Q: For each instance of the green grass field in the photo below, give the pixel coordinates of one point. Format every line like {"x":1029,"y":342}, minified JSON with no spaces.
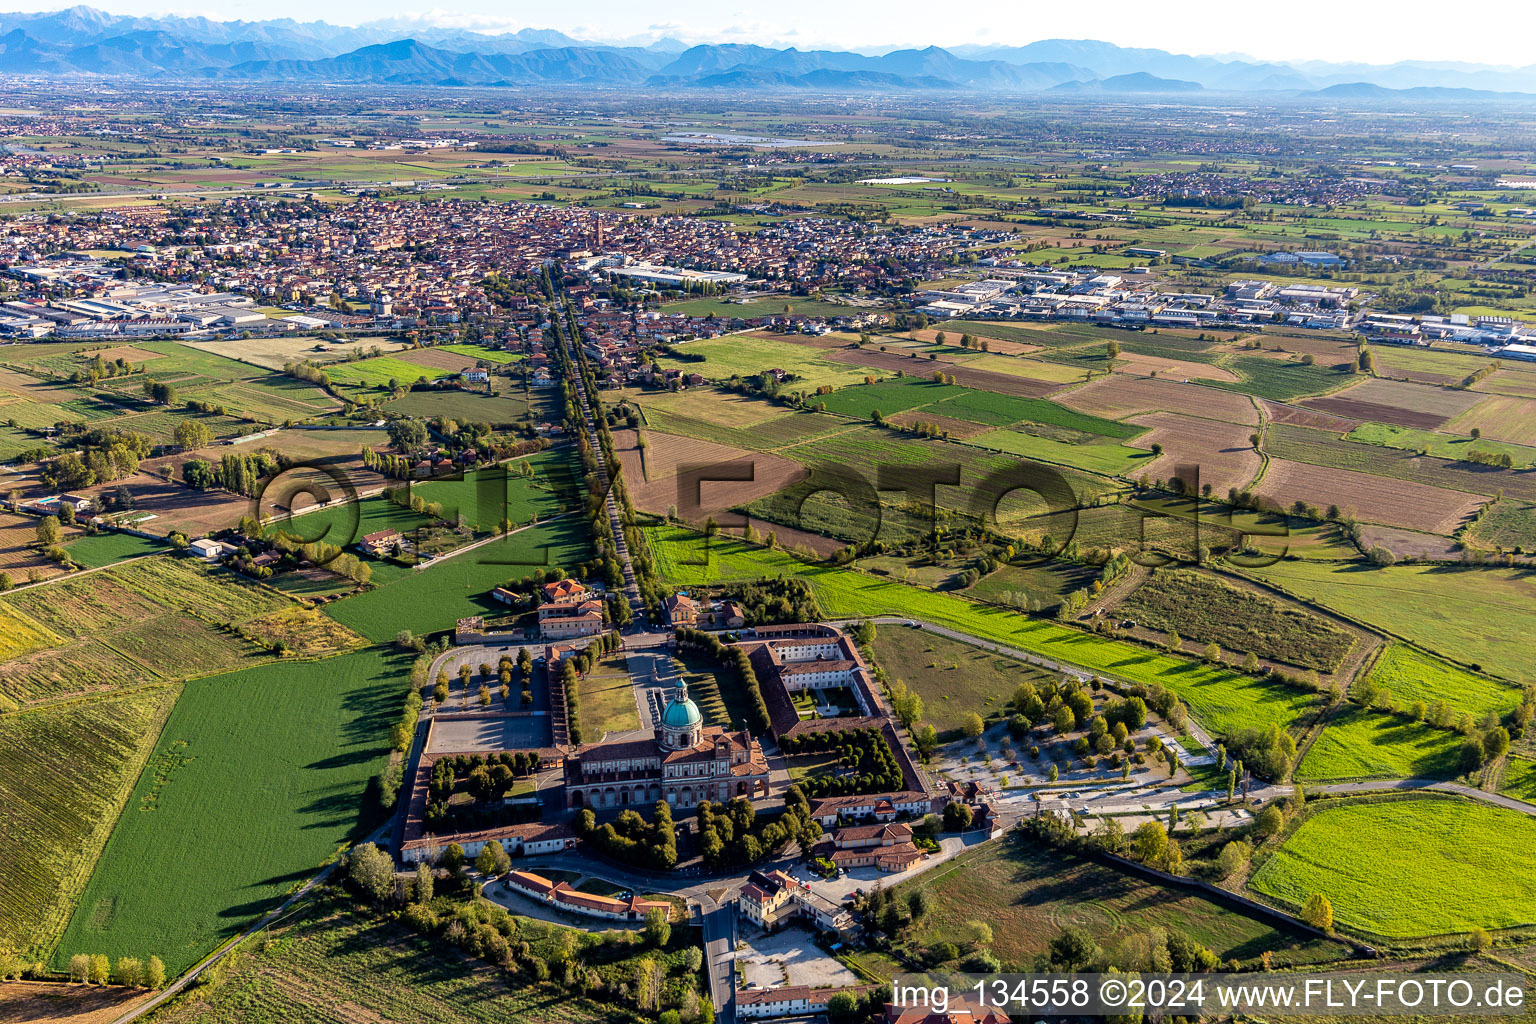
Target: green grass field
{"x":953,"y":678}
{"x":1441,"y":446}
{"x":1282,"y":380}
{"x":436,"y":597}
{"x":54,"y":833}
{"x":1028,"y":894}
{"x":1223,"y":700}
{"x":1361,"y":744}
{"x":889,"y":396}
{"x":258,"y":778}
{"x":1386,"y":867}
{"x":380,"y":370}
{"x":483,"y":498}
{"x":106,"y":548}
{"x":1108,"y":457}
{"x":746,"y":355}
{"x":1479,"y":616}
{"x":1412,"y":675}
{"x":607,"y":702}
{"x":1508,"y":523}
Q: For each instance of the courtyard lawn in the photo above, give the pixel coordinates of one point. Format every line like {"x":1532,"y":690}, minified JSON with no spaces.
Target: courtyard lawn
{"x":1477,"y":615}
{"x":607,"y":701}
{"x":438,"y":596}
{"x":1028,"y":894}
{"x":1410,"y":868}
{"x":258,"y":778}
{"x":1361,"y":744}
{"x":1223,"y":700}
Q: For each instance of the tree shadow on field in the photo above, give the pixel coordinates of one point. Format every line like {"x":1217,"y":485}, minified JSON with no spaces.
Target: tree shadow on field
{"x":335,"y":761}
{"x":338,"y":809}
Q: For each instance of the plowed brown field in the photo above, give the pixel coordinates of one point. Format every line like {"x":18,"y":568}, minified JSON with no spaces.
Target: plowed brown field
{"x":1369,"y":498}
{"x":1118,"y":397}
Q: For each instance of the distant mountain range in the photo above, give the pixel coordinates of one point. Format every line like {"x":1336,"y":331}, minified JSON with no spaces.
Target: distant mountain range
{"x":85,"y":41}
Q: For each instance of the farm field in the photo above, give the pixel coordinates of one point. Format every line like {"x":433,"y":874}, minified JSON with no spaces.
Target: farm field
{"x":1415,"y":845}
{"x":1412,"y":675}
{"x":1361,"y":744}
{"x":54,"y":832}
{"x":748,"y":354}
{"x":331,"y":956}
{"x":380,"y":370}
{"x":1028,"y":895}
{"x":1502,"y":417}
{"x":1106,"y":456}
{"x":283,"y":752}
{"x":272,"y":353}
{"x":1283,"y":380}
{"x":711,"y":405}
{"x":1117,"y":397}
{"x":1223,"y":700}
{"x":953,"y":678}
{"x":1206,"y":609}
{"x":1475,"y":615}
{"x":652,"y":476}
{"x":1509,"y":523}
{"x":1149,"y":364}
{"x":773,"y":434}
{"x":1222,"y":451}
{"x":145,"y":620}
{"x":1327,"y":449}
{"x":436,"y":597}
{"x":106,"y":548}
{"x":1519,"y":779}
{"x":483,"y":497}
{"x":66,"y":1004}
{"x":903,"y":359}
{"x":162,"y":508}
{"x":1376,"y":499}
{"x":1438,"y":444}
{"x":1390,"y":401}
{"x":18,"y":558}
{"x":505,"y":407}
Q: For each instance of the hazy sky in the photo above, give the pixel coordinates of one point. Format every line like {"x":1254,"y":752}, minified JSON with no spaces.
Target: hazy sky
{"x":1371,"y":31}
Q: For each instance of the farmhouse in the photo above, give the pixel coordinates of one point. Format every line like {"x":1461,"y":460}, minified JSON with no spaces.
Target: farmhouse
{"x":381,"y":543}
{"x":684,"y":764}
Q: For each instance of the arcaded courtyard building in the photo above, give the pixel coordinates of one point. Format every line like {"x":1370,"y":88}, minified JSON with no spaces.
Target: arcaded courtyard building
{"x":684,"y":763}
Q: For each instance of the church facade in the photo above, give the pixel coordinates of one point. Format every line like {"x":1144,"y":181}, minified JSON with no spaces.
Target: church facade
{"x":683,"y":763}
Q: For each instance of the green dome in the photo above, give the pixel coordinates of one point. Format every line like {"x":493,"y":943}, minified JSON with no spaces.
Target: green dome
{"x":681,"y":712}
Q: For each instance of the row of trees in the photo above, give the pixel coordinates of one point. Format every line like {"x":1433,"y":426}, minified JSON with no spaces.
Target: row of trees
{"x":738,"y":659}
{"x":128,"y":971}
